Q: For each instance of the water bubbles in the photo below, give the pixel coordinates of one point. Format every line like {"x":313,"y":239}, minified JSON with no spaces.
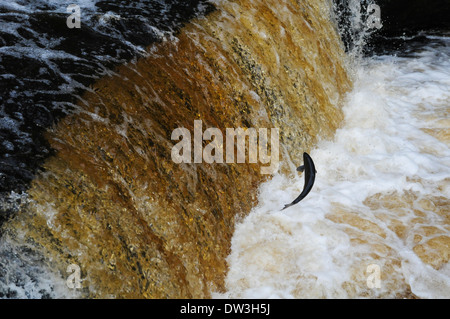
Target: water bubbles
{"x":379,"y":199}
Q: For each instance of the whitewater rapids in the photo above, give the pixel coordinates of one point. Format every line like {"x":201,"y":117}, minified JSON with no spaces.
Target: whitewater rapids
{"x":381,"y":194}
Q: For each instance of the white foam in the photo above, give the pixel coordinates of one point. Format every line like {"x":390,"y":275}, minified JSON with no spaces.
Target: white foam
{"x":301,"y":253}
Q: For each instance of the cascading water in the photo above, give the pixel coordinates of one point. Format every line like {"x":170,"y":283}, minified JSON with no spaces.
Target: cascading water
{"x":113,"y":204}
{"x":105,"y":199}
{"x":376,"y":224}
{"x":380,"y":201}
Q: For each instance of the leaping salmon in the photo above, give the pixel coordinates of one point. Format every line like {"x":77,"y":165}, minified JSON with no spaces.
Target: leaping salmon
{"x":310,"y":175}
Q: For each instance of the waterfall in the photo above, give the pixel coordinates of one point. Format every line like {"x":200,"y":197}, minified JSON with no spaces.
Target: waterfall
{"x":148,"y":147}
{"x":112,"y":202}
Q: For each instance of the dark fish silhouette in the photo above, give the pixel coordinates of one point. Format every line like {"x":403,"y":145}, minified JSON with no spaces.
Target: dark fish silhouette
{"x":310,"y":176}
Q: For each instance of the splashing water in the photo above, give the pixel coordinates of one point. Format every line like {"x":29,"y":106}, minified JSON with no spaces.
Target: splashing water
{"x":45,"y":65}
{"x":381,"y":197}
{"x":111,"y":200}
